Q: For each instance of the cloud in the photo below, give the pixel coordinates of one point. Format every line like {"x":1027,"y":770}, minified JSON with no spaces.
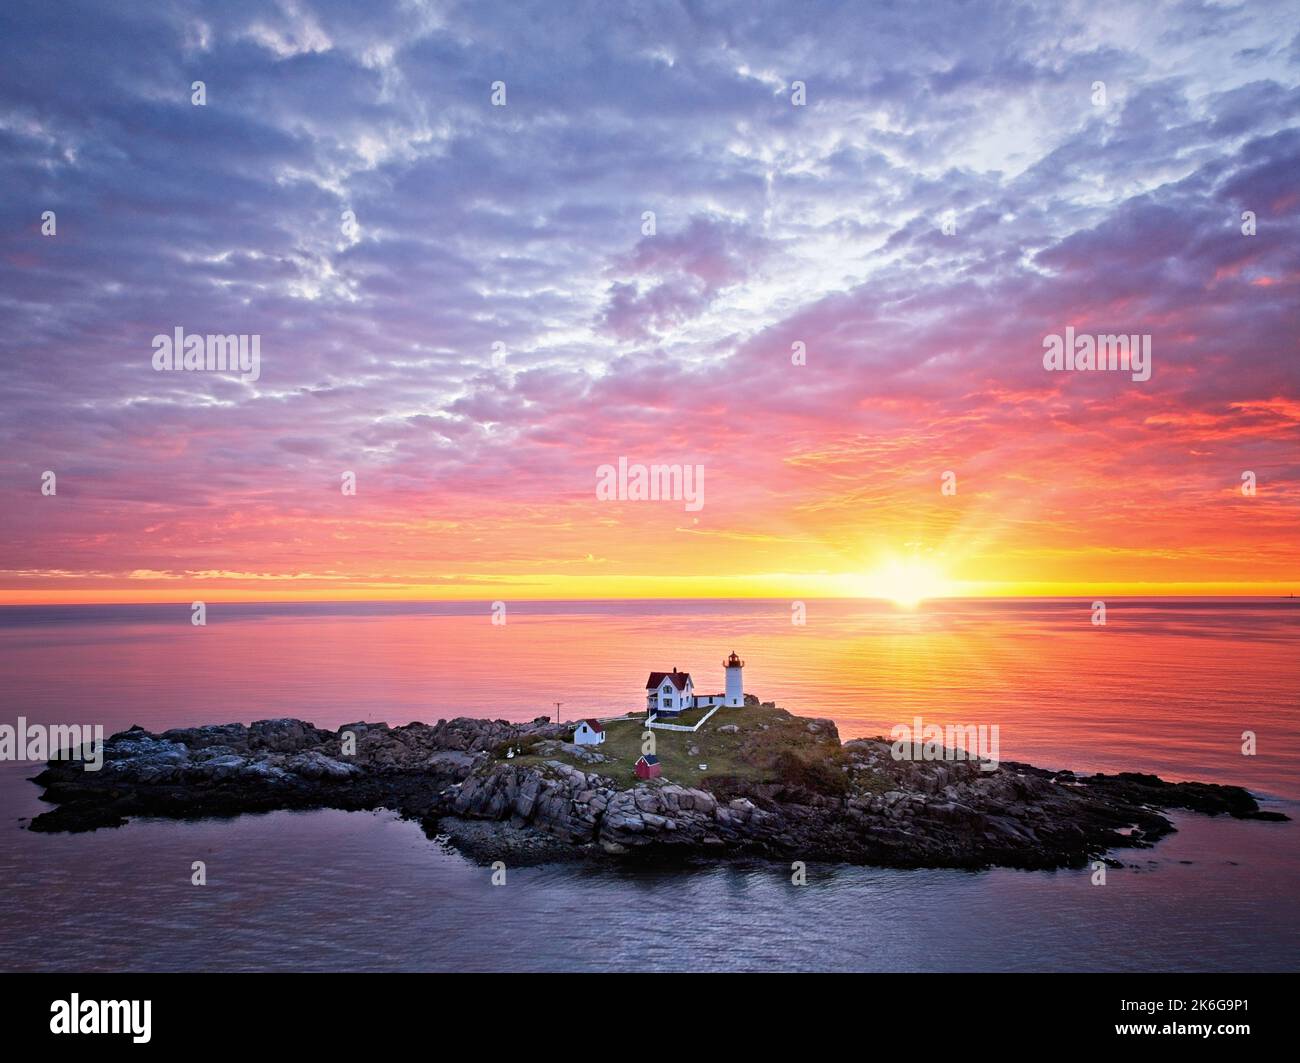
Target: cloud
{"x":498,"y":324}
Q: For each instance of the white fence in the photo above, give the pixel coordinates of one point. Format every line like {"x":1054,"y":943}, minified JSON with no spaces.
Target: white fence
{"x":682,"y":726}
{"x":650,"y":721}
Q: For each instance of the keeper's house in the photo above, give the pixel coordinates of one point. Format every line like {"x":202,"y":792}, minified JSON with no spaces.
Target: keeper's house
{"x":669,"y":693}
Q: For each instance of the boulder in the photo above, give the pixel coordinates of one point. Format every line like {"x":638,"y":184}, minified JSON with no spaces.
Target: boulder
{"x":318,"y":766}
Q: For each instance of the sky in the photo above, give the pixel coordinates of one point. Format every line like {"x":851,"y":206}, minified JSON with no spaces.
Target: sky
{"x":813,"y":250}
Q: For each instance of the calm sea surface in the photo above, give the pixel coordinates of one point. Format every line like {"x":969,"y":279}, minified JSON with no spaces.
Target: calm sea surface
{"x":1167,"y":686}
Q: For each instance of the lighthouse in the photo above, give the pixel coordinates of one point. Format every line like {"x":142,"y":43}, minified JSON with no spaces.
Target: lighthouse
{"x":735,"y":680}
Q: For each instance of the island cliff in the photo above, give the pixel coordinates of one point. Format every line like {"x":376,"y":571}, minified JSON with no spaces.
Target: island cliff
{"x":757,"y":782}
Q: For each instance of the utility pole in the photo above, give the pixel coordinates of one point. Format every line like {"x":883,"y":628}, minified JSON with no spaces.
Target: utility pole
{"x":557,"y":711}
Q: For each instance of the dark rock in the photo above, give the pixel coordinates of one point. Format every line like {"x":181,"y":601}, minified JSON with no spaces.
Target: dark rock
{"x":447,"y":775}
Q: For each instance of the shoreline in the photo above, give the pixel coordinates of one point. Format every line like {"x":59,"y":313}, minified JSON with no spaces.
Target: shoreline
{"x":778,"y":786}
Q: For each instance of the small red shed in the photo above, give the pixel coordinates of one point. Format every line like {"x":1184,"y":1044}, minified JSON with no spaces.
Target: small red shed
{"x":648,"y":767}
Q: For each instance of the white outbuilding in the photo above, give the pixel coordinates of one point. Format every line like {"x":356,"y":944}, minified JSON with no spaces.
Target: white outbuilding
{"x":588,"y":733}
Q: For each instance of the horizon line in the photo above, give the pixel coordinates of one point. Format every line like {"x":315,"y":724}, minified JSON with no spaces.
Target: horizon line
{"x":648,"y":598}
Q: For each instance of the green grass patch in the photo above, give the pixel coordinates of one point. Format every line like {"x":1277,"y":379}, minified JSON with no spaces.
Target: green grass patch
{"x":689,"y":718}
{"x":519,"y":745}
{"x":771,"y":746}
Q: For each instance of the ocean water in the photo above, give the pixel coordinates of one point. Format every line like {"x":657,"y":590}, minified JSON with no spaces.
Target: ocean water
{"x":1167,"y":686}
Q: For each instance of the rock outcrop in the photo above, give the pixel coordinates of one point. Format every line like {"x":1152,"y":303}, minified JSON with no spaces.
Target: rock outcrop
{"x":490,"y":783}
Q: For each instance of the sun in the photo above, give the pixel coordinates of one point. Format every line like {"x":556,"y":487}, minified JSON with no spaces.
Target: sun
{"x":905,"y":582}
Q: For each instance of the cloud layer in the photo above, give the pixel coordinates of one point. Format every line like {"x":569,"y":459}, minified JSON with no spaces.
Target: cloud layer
{"x":501,"y":321}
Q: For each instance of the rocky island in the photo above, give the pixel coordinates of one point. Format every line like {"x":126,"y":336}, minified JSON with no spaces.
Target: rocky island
{"x":755,"y":783}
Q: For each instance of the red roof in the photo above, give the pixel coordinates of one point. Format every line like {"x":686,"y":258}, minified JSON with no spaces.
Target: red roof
{"x":594,"y":725}
{"x":678,"y":679}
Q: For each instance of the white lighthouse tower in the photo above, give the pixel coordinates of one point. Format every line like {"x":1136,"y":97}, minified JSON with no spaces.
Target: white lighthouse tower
{"x":735,"y":681}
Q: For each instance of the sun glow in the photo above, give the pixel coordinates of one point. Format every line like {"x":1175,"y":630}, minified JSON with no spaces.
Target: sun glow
{"x":906,"y":582}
